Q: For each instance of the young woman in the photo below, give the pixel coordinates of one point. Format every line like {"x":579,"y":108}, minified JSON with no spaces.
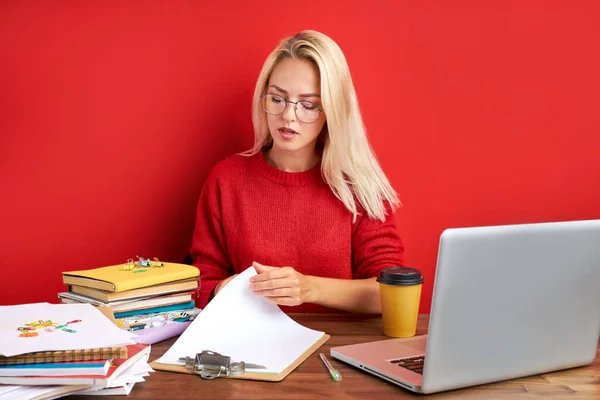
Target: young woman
{"x":308,"y":206}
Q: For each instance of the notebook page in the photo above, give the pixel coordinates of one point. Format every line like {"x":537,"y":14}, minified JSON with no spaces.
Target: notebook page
{"x":89,"y":328}
{"x":246,"y":327}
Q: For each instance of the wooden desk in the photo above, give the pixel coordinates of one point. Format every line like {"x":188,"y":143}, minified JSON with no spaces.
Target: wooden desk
{"x":311,"y":380}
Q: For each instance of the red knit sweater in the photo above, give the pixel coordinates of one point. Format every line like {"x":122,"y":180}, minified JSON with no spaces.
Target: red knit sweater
{"x":251,"y":211}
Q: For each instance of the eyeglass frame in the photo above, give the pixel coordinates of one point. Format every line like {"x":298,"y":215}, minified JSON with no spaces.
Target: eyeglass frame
{"x":295,"y":103}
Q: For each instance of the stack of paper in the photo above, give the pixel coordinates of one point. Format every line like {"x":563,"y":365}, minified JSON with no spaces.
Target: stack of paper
{"x":18,"y":392}
{"x":50,"y":332}
{"x":120,"y":385}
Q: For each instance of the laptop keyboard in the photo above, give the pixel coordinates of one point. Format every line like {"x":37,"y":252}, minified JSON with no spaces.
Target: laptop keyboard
{"x":415,"y":364}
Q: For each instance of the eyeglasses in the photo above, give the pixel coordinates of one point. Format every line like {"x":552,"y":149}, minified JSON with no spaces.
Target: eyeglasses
{"x":306,"y":111}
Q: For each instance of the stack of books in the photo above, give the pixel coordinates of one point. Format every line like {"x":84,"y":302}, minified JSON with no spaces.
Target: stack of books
{"x":52,"y":374}
{"x":53,"y":350}
{"x":155,"y":299}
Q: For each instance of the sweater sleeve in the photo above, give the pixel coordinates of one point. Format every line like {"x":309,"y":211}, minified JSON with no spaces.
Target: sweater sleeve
{"x":209,"y":249}
{"x":375,"y":245}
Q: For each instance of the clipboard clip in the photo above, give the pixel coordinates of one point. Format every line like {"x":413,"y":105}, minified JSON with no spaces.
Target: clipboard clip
{"x":210,"y":365}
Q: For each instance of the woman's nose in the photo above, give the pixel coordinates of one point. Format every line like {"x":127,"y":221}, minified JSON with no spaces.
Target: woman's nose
{"x":289,"y":114}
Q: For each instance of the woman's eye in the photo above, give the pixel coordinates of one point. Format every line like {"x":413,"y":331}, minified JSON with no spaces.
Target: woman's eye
{"x":308,"y":105}
{"x":277,"y":99}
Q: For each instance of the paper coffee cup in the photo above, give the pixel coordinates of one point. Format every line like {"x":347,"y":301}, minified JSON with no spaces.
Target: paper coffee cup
{"x":400,"y":292}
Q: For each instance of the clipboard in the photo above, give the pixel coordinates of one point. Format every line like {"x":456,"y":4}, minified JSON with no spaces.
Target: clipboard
{"x":257,"y":376}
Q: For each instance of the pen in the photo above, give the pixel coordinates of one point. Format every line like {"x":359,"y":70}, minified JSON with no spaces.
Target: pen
{"x":333,"y":372}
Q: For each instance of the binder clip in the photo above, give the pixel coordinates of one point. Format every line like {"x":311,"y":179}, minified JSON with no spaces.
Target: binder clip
{"x":142,"y":264}
{"x":211,"y":365}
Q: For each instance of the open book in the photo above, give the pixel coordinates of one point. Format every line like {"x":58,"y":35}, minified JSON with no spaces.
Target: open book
{"x":246,"y":327}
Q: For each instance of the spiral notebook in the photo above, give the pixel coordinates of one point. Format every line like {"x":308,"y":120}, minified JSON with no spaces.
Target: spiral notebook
{"x":103,"y":353}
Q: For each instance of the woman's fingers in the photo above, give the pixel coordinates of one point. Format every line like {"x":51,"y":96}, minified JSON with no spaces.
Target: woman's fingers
{"x":284,"y":301}
{"x":260,"y":268}
{"x":280,"y":285}
{"x":272,"y":284}
{"x":283,"y":292}
{"x":276,"y":273}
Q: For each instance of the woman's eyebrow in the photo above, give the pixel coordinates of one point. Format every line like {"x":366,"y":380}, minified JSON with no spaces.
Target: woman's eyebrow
{"x":300,"y":95}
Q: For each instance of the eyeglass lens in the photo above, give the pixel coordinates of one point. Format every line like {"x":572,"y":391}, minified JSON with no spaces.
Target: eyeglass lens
{"x":306,"y":111}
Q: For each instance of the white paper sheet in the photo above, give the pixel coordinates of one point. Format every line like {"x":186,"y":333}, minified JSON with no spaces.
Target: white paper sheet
{"x":135,"y":373}
{"x":21,"y":392}
{"x":94,"y":330}
{"x":123,"y":390}
{"x":5,"y":389}
{"x":245,"y":326}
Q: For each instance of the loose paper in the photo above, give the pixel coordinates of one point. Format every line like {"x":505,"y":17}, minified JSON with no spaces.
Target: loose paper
{"x":246,"y":327}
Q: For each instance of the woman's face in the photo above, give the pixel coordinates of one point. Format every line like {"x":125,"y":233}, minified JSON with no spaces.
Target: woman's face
{"x":295,"y":80}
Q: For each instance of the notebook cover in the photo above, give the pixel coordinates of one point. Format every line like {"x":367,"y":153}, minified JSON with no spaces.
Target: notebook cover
{"x":257,"y":376}
{"x":69,"y":368}
{"x":130,"y":305}
{"x":116,"y":279}
{"x":178,"y":306}
{"x":164,"y":288}
{"x":103,"y":353}
{"x":160,"y":333}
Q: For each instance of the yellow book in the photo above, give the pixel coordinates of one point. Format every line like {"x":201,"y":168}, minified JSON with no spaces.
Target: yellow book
{"x":122,"y":277}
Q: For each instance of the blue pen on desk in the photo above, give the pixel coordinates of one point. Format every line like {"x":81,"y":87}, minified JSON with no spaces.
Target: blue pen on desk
{"x":333,"y":372}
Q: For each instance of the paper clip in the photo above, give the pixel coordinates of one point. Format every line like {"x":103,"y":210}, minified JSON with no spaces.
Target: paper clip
{"x":157,"y":261}
{"x":128,"y":266}
{"x":143,"y":263}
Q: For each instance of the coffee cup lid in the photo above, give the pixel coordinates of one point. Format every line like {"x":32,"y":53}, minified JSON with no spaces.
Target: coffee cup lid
{"x":400,"y":276}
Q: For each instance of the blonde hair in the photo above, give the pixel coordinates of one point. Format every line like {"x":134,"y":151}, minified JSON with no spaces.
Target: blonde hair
{"x":348,"y":164}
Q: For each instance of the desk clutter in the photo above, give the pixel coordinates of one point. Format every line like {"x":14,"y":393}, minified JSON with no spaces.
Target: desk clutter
{"x":53,"y":350}
{"x":152,"y":298}
{"x":98,"y":340}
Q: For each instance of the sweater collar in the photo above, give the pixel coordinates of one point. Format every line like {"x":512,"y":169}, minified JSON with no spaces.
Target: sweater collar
{"x":283,"y":177}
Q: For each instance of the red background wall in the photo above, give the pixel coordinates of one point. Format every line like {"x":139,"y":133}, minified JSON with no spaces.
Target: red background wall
{"x":112,"y":113}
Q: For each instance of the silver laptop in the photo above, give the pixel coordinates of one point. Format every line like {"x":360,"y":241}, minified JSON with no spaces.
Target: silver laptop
{"x":508,"y":301}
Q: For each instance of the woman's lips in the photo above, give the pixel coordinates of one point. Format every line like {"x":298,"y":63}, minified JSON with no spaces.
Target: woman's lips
{"x":287,"y":133}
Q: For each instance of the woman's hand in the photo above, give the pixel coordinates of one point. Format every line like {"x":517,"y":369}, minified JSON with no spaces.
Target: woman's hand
{"x":281,"y":285}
